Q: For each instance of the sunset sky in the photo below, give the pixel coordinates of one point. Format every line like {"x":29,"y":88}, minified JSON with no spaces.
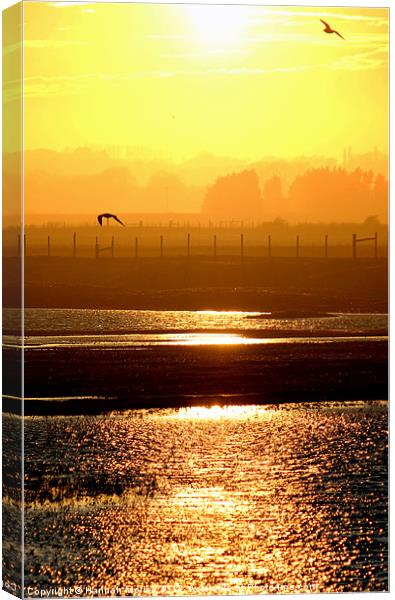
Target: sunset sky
{"x":231,"y":80}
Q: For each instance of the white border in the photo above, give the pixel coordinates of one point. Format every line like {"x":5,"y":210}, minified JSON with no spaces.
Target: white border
{"x":334,"y":3}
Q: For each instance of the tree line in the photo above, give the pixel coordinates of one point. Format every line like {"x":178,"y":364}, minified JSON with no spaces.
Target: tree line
{"x":320,"y":194}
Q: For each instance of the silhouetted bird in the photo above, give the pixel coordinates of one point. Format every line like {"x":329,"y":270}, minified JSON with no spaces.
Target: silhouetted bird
{"x":108,"y":216}
{"x":328,"y":29}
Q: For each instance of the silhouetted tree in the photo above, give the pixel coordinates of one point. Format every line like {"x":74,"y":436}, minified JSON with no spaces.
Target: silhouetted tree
{"x":235,"y":196}
{"x":336,"y":195}
{"x":372,"y":221}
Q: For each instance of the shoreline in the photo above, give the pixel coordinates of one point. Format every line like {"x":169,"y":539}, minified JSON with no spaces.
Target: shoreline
{"x":99,"y":406}
{"x":245,"y":333}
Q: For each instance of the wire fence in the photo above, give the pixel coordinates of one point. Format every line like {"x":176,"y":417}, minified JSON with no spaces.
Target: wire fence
{"x":189,"y":245}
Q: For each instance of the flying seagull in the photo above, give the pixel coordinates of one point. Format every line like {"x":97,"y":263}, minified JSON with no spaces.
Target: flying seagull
{"x":328,"y":29}
{"x":108,"y":216}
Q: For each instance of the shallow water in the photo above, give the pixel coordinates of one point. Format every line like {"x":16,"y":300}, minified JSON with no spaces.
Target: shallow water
{"x":209,"y":500}
{"x":141,"y":340}
{"x":48,"y":328}
{"x":46,"y":321}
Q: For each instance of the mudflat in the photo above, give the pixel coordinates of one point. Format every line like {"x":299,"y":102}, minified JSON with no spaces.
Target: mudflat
{"x":86,"y":380}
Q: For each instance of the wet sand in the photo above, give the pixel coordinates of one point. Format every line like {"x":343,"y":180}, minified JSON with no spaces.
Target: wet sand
{"x":98,"y":380}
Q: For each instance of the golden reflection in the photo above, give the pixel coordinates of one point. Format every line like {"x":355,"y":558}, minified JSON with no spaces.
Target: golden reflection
{"x":220,"y":339}
{"x":286,"y":501}
{"x":237,"y":313}
{"x":219,"y":412}
{"x":213,"y":500}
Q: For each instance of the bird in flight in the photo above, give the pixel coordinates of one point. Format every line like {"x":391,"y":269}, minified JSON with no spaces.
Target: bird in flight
{"x":108,"y":216}
{"x":328,"y":29}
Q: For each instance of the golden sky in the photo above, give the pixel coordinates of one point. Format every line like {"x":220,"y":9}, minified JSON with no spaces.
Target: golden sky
{"x":232,"y":80}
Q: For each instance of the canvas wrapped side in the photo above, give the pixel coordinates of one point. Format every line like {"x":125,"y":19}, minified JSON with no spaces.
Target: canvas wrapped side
{"x":12,"y":421}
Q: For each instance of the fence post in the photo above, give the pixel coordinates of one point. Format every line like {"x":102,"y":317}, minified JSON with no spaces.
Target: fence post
{"x":136,"y":247}
{"x":161,"y":246}
{"x":74,"y":244}
{"x":49,"y":246}
{"x":215,"y":247}
{"x":242,"y":246}
{"x":297,"y":246}
{"x":189,"y":245}
{"x":112,"y":247}
{"x":375,"y":246}
{"x":97,"y":248}
{"x":269,"y":246}
{"x":326,"y":246}
{"x":354,"y":245}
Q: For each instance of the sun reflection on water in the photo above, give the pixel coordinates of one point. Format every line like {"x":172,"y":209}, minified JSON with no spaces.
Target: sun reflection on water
{"x":216,"y":411}
{"x":210,"y":500}
{"x":225,"y":339}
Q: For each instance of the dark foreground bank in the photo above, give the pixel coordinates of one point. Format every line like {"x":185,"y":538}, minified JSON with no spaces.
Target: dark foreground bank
{"x":335,"y":284}
{"x":86,"y":380}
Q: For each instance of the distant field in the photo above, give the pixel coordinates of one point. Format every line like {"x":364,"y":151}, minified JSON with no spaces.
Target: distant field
{"x":335,"y":284}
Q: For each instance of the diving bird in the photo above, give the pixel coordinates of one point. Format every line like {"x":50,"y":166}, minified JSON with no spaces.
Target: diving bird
{"x":108,"y":216}
{"x":328,"y":29}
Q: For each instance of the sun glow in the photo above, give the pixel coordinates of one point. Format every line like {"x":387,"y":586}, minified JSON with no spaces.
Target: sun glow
{"x":217,"y":411}
{"x":217,"y":27}
{"x":217,"y":339}
{"x":233,"y":81}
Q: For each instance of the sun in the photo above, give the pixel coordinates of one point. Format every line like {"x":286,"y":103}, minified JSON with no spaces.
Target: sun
{"x":217,"y":27}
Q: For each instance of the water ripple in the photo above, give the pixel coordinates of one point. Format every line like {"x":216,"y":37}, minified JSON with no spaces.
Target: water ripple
{"x":214,"y":498}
